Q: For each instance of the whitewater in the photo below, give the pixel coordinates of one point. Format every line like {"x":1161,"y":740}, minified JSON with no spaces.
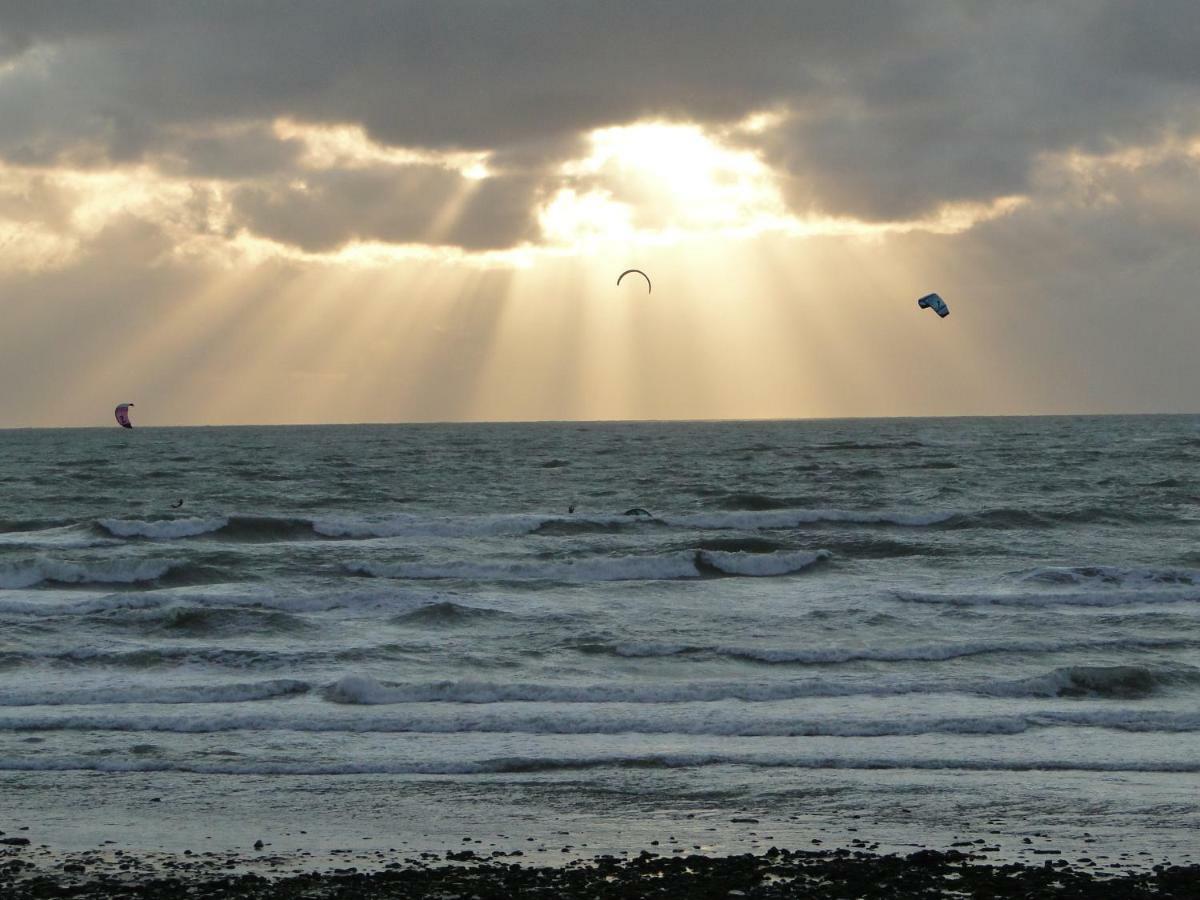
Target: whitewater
{"x":373,"y":635}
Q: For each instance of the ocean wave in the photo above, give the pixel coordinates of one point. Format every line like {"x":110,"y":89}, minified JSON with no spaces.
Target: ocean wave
{"x":160,"y":657}
{"x":60,"y":537}
{"x":1100,"y":682}
{"x":735,"y":510}
{"x":446,"y":612}
{"x":1016,"y":517}
{"x":366,"y":691}
{"x":839,"y":655}
{"x":536,"y":764}
{"x":204,"y":693}
{"x":873,"y":545}
{"x":223,"y":657}
{"x":795,"y":518}
{"x":666,"y":567}
{"x":1053,"y":598}
{"x":870,"y":445}
{"x":234,"y":528}
{"x":740,"y":544}
{"x":161,"y":529}
{"x":411,"y":525}
{"x":1109,"y":576}
{"x":1104,"y":682}
{"x":755,"y":502}
{"x":758,"y":565}
{"x":207,"y":621}
{"x":115,"y":571}
{"x":285,"y":599}
{"x":724,"y":721}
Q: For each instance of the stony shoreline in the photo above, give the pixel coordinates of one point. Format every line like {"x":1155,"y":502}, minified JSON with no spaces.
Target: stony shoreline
{"x":777,"y":873}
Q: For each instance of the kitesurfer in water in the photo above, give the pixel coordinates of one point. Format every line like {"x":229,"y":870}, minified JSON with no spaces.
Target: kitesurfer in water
{"x":178,"y":503}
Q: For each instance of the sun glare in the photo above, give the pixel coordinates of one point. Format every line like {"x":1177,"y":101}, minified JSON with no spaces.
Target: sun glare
{"x":660,"y":179}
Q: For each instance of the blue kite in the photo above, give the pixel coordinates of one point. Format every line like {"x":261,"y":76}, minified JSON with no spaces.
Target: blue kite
{"x":936,"y":303}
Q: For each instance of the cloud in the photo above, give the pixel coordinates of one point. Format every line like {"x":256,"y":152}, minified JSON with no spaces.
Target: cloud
{"x":894,"y":109}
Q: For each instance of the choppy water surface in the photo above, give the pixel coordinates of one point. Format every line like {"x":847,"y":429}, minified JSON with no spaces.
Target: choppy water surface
{"x":942,"y":626}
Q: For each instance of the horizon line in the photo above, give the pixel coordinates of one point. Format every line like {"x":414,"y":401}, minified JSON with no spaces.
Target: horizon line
{"x":681,"y":421}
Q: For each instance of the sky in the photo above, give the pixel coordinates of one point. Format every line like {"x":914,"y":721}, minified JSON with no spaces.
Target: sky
{"x":309,"y":212}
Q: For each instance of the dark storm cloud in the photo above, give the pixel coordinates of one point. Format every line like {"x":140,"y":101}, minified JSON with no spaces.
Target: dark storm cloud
{"x":246,"y":153}
{"x":896,"y":108}
{"x":967,"y":112}
{"x":439,"y":74}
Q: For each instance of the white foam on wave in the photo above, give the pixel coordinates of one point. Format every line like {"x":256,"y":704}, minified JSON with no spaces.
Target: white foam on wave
{"x":45,"y":603}
{"x":163,"y":529}
{"x":761,"y":564}
{"x":114,"y":571}
{"x":65,"y":537}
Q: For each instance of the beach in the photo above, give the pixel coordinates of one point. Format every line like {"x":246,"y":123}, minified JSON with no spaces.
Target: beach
{"x":777,"y":872}
{"x":759,"y":646}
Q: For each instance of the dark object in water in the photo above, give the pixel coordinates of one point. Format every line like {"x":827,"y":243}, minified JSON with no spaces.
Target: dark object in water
{"x":178,"y":503}
{"x":571,"y":508}
{"x":636,"y":511}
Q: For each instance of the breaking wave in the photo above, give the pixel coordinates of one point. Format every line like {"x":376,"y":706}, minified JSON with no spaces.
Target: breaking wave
{"x":162,"y":529}
{"x":117,"y":571}
{"x":235,"y":528}
{"x":62,"y":537}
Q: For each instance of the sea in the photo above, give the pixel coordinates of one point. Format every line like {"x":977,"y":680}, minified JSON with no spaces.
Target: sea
{"x":979,"y":632}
